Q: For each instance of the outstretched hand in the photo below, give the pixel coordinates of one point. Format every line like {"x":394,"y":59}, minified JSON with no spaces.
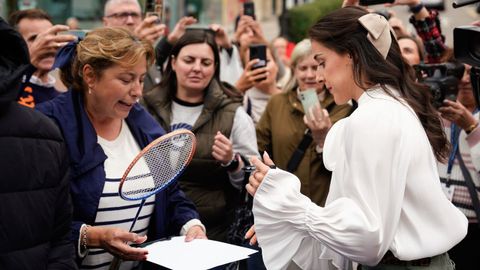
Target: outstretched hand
{"x":251,"y":235}
{"x":149,"y":29}
{"x":47,"y":43}
{"x":116,"y":241}
{"x":251,"y":76}
{"x":455,"y":112}
{"x":180,"y":28}
{"x":318,"y":121}
{"x":261,"y":170}
{"x":195,"y":232}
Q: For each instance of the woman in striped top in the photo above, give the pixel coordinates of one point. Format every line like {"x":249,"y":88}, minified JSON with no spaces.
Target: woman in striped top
{"x":105,"y":128}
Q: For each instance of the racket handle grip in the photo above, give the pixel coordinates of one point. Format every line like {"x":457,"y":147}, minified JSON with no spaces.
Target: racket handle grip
{"x":115,"y":265}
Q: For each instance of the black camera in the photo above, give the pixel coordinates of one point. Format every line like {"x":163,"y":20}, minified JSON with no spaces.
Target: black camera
{"x":466,"y":44}
{"x":441,"y":79}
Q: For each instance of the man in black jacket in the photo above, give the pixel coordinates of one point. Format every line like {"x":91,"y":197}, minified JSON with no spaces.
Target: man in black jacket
{"x":35,"y":207}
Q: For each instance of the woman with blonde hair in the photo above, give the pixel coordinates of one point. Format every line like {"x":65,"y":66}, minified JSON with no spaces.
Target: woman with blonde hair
{"x":104,"y":129}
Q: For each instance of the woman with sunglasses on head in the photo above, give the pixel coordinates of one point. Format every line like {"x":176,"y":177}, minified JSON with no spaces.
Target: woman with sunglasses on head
{"x":104,"y":129}
{"x":385,"y":208}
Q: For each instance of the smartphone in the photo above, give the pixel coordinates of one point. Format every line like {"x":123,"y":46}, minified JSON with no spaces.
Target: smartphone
{"x":374,"y":2}
{"x":258,"y":51}
{"x":154,"y":7}
{"x":309,"y":99}
{"x":249,"y":9}
{"x":78,"y":33}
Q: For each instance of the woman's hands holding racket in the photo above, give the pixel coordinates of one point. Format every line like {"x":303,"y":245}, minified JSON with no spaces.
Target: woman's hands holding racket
{"x":222,"y":149}
{"x":261,"y":170}
{"x":116,"y":241}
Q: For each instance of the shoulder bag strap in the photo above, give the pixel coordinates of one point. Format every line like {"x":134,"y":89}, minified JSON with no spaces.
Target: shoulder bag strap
{"x":299,"y":152}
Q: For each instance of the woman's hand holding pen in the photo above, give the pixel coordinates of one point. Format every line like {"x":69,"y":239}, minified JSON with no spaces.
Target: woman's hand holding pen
{"x":256,"y":178}
{"x":259,"y":173}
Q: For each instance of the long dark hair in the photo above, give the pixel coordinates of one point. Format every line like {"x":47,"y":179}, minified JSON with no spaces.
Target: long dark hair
{"x":341,"y":32}
{"x":169,"y":78}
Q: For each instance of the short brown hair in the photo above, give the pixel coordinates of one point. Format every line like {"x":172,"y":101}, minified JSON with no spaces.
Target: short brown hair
{"x":103,"y":48}
{"x":34,"y":13}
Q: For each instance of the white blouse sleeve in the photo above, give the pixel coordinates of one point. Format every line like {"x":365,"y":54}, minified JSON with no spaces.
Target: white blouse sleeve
{"x":360,"y":218}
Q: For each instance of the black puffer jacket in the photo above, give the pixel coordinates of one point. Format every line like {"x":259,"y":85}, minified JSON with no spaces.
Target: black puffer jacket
{"x":35,"y":207}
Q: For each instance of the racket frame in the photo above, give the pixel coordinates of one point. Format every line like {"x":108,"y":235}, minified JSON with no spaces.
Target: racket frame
{"x":145,"y":150}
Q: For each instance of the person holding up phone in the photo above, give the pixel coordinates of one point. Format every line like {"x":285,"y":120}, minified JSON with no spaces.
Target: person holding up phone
{"x":128,"y":14}
{"x":43,"y":40}
{"x":259,"y":79}
{"x":249,"y":9}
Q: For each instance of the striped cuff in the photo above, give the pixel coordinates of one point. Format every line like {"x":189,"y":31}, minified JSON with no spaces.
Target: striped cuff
{"x":190,"y":224}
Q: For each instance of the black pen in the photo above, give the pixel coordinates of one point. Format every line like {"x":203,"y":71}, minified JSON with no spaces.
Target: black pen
{"x":253,"y":168}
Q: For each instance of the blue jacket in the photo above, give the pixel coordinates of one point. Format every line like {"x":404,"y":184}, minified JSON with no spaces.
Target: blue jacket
{"x":172,"y":208}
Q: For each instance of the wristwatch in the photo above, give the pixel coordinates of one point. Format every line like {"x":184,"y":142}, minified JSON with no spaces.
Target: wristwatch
{"x":233,"y":164}
{"x":471,"y":128}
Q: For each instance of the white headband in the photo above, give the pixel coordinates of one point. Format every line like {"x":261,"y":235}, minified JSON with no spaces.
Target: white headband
{"x":378,"y":32}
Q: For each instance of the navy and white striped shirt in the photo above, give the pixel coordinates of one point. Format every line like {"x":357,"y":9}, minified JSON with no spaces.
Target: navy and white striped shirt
{"x":112,"y":209}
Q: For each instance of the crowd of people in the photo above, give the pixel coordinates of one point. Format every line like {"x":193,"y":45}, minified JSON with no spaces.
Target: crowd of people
{"x":372,"y":176}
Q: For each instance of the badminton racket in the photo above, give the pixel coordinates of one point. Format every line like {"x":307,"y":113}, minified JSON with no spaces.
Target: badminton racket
{"x":154,"y":168}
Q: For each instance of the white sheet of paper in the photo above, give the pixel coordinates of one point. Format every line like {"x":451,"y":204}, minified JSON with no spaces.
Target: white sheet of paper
{"x":198,"y":254}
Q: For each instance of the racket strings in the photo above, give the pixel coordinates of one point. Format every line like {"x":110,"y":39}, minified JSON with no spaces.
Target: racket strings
{"x":158,"y":166}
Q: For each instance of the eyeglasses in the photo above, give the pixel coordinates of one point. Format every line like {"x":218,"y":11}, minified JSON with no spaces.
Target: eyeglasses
{"x":124,"y":16}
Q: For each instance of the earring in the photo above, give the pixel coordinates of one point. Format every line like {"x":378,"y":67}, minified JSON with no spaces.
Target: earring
{"x":89,"y":90}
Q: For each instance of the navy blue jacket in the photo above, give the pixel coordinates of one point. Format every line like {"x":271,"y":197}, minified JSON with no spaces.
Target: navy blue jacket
{"x":172,"y":209}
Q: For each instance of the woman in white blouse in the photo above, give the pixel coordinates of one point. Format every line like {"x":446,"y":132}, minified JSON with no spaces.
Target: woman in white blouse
{"x":385,"y":205}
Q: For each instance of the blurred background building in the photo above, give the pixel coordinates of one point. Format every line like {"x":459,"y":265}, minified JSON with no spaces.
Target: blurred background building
{"x":89,"y":12}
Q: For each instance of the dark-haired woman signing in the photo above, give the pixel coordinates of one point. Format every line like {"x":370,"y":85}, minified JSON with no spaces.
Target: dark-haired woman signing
{"x":385,"y":206}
